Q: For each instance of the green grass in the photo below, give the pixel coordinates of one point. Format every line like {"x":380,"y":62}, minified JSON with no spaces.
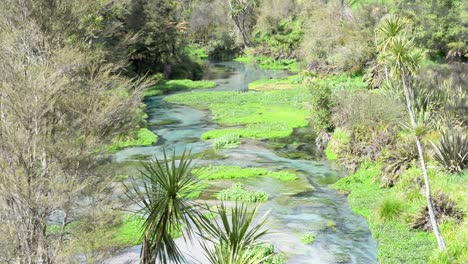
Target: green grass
{"x":393,"y":235}
{"x":235,"y":172}
{"x":390,"y":209}
{"x":271,"y":114}
{"x":130,"y":232}
{"x":342,"y":82}
{"x":389,"y":219}
{"x":142,"y":137}
{"x":237,"y":193}
{"x":291,"y":82}
{"x":176,"y":85}
{"x":308,"y":238}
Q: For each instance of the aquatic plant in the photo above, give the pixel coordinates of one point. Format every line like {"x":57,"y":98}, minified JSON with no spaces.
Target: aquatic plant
{"x":227,"y":141}
{"x":237,"y":193}
{"x":308,"y":238}
{"x":142,"y":137}
{"x":222,"y":172}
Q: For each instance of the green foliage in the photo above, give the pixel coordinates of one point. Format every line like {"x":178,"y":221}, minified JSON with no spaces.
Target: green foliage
{"x":176,"y":85}
{"x":197,"y":52}
{"x":281,"y":39}
{"x":269,"y":63}
{"x":338,"y":139}
{"x":237,"y":193}
{"x":130,"y":232}
{"x":235,"y":236}
{"x":227,"y":141}
{"x":332,"y":44}
{"x":437,"y":24}
{"x":269,"y":114}
{"x":162,"y":197}
{"x":291,"y":82}
{"x":308,"y":238}
{"x":452,"y":151}
{"x":366,"y":109}
{"x":321,"y":108}
{"x":390,"y":209}
{"x":143,"y":137}
{"x":235,"y":172}
{"x":267,"y":251}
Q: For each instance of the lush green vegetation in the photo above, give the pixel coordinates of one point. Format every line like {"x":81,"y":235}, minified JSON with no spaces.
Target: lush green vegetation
{"x":177,"y":85}
{"x":142,"y":137}
{"x":291,"y":82}
{"x":236,"y":172}
{"x":237,"y":193}
{"x":269,"y":63}
{"x":271,"y":114}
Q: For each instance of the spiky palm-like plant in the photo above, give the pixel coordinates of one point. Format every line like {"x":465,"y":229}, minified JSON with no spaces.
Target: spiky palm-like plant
{"x":161,"y":195}
{"x":452,"y":151}
{"x":398,"y":52}
{"x":234,"y":238}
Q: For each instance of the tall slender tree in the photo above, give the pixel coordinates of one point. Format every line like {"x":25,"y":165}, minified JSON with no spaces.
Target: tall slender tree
{"x":398,"y":52}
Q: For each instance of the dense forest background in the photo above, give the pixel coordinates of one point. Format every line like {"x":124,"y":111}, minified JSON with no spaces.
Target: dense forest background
{"x":73,"y":75}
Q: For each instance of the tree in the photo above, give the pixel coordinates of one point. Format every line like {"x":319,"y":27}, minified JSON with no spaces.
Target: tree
{"x":240,"y":11}
{"x":59,"y":103}
{"x":162,"y":197}
{"x":399,"y":54}
{"x":157,"y":26}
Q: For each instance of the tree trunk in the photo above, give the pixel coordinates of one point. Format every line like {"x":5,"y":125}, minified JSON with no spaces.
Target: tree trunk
{"x":435,"y":226}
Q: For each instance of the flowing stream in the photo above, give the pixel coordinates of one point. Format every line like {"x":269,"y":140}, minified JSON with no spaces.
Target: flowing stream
{"x":295,"y":208}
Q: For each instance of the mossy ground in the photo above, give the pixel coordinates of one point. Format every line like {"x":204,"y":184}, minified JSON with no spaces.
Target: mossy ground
{"x":142,"y":137}
{"x":271,"y":114}
{"x":176,"y":85}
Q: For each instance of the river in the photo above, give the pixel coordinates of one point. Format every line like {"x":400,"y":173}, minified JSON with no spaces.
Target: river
{"x":306,"y":205}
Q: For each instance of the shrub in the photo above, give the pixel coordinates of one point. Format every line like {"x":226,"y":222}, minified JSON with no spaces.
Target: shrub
{"x":321,"y":107}
{"x":238,"y":193}
{"x":397,"y":160}
{"x":364,"y":108}
{"x":443,"y":206}
{"x":452,"y":151}
{"x":390,"y":209}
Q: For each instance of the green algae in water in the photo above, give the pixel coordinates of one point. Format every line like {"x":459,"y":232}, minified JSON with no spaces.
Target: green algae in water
{"x":238,"y":193}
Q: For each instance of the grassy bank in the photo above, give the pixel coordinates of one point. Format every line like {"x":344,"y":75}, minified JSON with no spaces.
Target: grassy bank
{"x":271,"y":114}
{"x":390,"y":212}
